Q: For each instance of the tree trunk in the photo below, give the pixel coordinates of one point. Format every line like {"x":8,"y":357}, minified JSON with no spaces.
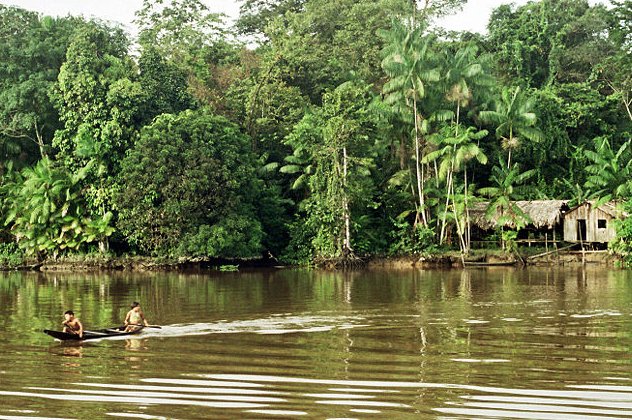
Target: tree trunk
{"x":345,"y":205}
{"x":510,"y":146}
{"x":447,"y":204}
{"x":40,"y":141}
{"x":468,"y":228}
{"x":420,"y":188}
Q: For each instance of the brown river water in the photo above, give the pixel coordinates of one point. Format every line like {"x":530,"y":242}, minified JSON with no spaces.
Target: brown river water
{"x":500,"y":343}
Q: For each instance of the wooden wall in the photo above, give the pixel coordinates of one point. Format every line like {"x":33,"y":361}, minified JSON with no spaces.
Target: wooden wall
{"x":594,"y":219}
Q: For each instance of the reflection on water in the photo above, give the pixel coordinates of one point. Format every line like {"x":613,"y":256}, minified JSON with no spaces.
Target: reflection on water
{"x":503,"y":343}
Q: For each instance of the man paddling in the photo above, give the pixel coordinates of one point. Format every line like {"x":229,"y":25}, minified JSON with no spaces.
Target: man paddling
{"x":135,"y":317}
{"x":72,"y":325}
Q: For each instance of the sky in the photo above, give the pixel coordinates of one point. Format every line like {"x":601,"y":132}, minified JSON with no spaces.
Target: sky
{"x":473,"y":17}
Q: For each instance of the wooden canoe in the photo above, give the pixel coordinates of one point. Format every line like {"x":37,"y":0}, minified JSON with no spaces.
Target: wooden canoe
{"x":93,"y":334}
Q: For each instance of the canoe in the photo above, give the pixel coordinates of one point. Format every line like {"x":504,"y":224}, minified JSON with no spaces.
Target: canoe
{"x":89,"y":334}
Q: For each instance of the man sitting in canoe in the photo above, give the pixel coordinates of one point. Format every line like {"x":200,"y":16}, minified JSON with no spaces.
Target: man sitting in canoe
{"x":135,"y":317}
{"x":72,"y":325}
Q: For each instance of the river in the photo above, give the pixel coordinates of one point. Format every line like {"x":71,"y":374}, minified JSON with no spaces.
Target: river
{"x":536,"y":343}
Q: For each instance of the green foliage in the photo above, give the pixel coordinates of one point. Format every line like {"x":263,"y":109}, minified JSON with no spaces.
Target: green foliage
{"x":44,"y":208}
{"x":609,"y":172}
{"x":335,"y":143}
{"x":10,"y":255}
{"x":411,"y":64}
{"x":164,"y":86}
{"x":179,"y":29}
{"x":255,"y":15}
{"x":514,"y":119}
{"x":188,"y":187}
{"x":406,"y":239}
{"x":524,"y":39}
{"x":508,"y":238}
{"x":234,"y":236}
{"x":623,"y":244}
{"x":95,"y":96}
{"x":307,"y":161}
{"x":32,"y":50}
{"x":508,"y":187}
{"x":326,"y":43}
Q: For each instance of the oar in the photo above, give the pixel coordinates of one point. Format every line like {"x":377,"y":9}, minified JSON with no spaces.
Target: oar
{"x":146,"y":326}
{"x":94,"y":332}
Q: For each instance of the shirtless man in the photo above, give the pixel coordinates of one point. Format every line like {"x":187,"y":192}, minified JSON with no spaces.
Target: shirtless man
{"x":135,"y":317}
{"x":71,"y":324}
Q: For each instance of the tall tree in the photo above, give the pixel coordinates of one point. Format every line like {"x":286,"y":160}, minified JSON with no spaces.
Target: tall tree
{"x":98,"y":101}
{"x":32,"y":49}
{"x":455,"y":151}
{"x":523,"y":39}
{"x":411,"y":65}
{"x":466,"y":72}
{"x":336,"y":140}
{"x":514,"y":118}
{"x":326,"y":43}
{"x":194,"y":39}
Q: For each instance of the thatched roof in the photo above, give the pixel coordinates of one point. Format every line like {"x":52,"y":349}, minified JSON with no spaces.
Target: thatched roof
{"x":542,"y":214}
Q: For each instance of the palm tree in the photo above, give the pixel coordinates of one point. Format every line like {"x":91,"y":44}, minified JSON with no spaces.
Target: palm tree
{"x":513,"y":118}
{"x":410,"y":65}
{"x":456,"y":152}
{"x":505,"y":190}
{"x":466,"y":71}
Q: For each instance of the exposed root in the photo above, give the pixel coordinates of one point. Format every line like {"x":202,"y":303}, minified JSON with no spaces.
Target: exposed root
{"x":349,"y":261}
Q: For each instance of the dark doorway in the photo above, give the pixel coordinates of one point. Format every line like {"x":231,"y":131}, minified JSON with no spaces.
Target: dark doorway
{"x":581,"y":230}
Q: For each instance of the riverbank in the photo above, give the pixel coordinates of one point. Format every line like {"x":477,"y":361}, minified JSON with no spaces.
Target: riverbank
{"x":87,"y":263}
{"x":446,"y":259}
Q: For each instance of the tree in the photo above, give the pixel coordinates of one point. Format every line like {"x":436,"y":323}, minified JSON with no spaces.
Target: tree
{"x":466,"y":72}
{"x":507,"y":183}
{"x":410,"y":65}
{"x":193,"y":39}
{"x":180,"y":30}
{"x":513,"y":118}
{"x":255,"y":15}
{"x":188,"y":188}
{"x":327,"y":43}
{"x":614,"y":70}
{"x":32,"y":49}
{"x":623,"y":243}
{"x":99,"y":103}
{"x":455,"y":150}
{"x":523,"y":39}
{"x":335,"y":141}
{"x":164,"y":86}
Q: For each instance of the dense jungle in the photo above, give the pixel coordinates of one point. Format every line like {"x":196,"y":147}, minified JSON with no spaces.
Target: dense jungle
{"x":306,"y":130}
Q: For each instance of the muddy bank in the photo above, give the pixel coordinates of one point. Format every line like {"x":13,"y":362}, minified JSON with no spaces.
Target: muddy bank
{"x":139,"y":264}
{"x":438,"y":260}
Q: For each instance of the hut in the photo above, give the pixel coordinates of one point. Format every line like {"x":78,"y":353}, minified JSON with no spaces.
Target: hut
{"x":591,"y":223}
{"x":544,"y":219}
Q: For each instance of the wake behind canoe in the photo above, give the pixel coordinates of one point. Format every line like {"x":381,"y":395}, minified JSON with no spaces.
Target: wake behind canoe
{"x":89,"y":334}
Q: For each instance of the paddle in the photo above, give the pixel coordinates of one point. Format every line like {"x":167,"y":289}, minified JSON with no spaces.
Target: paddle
{"x":146,"y":326}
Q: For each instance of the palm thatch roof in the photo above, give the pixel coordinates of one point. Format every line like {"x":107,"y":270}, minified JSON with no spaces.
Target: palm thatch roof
{"x":541,"y":214}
